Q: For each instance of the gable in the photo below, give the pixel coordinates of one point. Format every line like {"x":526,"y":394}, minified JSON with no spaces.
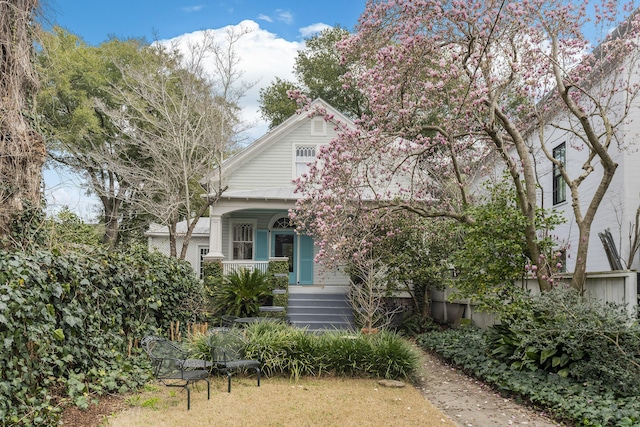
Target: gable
{"x":274,"y":165}
{"x":270,"y":162}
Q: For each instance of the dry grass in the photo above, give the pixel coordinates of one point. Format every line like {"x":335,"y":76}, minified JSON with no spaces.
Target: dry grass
{"x":280,"y":402}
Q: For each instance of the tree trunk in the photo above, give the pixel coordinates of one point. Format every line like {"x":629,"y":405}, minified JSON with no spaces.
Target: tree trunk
{"x":525,"y":193}
{"x":111,"y":229}
{"x":22,"y":150}
{"x":172,"y":239}
{"x":192,"y":226}
{"x":111,"y":205}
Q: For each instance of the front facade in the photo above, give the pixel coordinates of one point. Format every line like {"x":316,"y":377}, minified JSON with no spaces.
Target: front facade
{"x":250,"y":223}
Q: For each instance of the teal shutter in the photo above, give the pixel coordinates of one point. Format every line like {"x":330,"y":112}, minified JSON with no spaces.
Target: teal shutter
{"x":306,"y":260}
{"x":262,"y":245}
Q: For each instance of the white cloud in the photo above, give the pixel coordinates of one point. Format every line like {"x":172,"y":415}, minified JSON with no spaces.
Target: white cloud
{"x":263,"y":57}
{"x":263,"y":17}
{"x":313,"y":29}
{"x":64,"y":189}
{"x":190,"y":9}
{"x":284,"y":16}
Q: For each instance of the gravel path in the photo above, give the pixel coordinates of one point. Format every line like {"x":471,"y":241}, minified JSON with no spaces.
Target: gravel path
{"x":469,"y":402}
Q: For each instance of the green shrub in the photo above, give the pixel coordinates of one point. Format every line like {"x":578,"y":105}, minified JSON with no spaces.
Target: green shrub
{"x":579,"y":403}
{"x":285,"y":350}
{"x":563,"y":333}
{"x":68,"y":323}
{"x":241,"y":293}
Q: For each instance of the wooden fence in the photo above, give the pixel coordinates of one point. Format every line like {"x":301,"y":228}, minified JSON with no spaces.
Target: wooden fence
{"x":620,"y":287}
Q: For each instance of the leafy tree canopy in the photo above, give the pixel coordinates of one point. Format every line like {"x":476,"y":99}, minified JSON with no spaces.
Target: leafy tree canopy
{"x":318,"y":71}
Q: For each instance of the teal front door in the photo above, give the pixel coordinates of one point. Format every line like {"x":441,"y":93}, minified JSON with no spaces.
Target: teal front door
{"x":283,"y":244}
{"x":299,"y":250}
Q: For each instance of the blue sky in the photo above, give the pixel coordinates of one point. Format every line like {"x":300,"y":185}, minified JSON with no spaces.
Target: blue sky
{"x":278,"y":29}
{"x":95,"y":20}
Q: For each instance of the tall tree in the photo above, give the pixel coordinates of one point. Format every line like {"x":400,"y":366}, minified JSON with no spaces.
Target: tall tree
{"x":22,"y":149}
{"x":75,"y":76}
{"x":450,"y":83}
{"x":181,"y":117}
{"x":319,"y":71}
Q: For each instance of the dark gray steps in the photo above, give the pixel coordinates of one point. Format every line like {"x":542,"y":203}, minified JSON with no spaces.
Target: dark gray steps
{"x":312,"y":309}
{"x":320,"y":311}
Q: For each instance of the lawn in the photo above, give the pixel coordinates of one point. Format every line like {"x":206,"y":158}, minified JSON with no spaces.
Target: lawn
{"x":311,"y":401}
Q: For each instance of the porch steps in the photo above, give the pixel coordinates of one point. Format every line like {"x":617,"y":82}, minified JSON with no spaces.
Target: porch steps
{"x":320,"y":311}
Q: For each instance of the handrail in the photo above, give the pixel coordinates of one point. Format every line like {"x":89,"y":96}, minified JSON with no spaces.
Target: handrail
{"x":229,"y":267}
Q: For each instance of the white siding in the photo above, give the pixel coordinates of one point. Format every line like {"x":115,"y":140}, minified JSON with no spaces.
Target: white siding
{"x":617,"y":210}
{"x":327,"y":278}
{"x":193,"y":252}
{"x":274,"y":165}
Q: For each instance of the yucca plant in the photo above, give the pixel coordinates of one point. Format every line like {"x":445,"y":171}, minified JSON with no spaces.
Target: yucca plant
{"x":241,"y":293}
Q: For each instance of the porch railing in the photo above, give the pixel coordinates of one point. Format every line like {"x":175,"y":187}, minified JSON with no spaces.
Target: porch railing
{"x":229,"y":267}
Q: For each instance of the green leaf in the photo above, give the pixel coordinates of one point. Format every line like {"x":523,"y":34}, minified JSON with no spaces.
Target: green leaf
{"x":560,"y":360}
{"x":547,"y":353}
{"x":58,"y":334}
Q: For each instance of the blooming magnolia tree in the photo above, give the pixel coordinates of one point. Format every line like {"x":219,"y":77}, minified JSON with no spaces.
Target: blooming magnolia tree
{"x":453,"y":85}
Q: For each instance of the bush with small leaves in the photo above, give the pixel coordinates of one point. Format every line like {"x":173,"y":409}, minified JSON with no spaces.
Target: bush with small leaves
{"x":70,"y":322}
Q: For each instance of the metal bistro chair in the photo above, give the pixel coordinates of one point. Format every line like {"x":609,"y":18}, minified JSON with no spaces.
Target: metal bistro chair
{"x":227,"y":353}
{"x":173,"y":368}
{"x":227,"y":320}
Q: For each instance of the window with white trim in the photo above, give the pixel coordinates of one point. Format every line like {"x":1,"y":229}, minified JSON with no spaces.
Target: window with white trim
{"x":204,"y":250}
{"x":242,"y":240}
{"x":305,"y":155}
{"x":559,"y":185}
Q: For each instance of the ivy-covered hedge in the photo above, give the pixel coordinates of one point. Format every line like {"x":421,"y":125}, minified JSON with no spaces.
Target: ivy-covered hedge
{"x":581,"y":403}
{"x":69,"y":325}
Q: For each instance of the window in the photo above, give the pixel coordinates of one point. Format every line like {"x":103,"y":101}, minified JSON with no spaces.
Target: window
{"x":204,"y":250}
{"x":242,"y":233}
{"x":559,"y":186}
{"x":305,"y":154}
{"x":282,"y":223}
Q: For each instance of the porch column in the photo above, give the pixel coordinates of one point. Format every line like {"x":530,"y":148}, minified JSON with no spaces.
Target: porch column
{"x":215,"y":239}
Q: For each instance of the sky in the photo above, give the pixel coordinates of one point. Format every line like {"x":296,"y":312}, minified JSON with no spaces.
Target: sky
{"x":278,"y":29}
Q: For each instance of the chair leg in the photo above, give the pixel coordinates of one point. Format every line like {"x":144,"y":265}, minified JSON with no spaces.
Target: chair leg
{"x":229,"y":382}
{"x":188,"y":397}
{"x":258,"y":373}
{"x":208,"y":389}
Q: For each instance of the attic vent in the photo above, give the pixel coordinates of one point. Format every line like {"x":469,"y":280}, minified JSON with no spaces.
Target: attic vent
{"x":318,"y":126}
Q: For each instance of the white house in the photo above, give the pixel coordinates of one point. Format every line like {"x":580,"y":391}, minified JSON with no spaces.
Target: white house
{"x":250,"y":223}
{"x":617,"y":212}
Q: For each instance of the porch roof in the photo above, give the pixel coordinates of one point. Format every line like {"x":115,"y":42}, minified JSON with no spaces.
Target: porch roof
{"x":281,"y":193}
{"x":201,"y":229}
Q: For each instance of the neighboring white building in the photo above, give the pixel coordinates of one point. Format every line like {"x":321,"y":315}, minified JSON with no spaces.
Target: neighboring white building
{"x":617,"y":212}
{"x":158,"y":238}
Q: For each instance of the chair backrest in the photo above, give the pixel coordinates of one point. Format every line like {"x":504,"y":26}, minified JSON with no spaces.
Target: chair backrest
{"x":148,"y":344}
{"x":227,"y":345}
{"x":165,"y":355}
{"x":227,"y":320}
